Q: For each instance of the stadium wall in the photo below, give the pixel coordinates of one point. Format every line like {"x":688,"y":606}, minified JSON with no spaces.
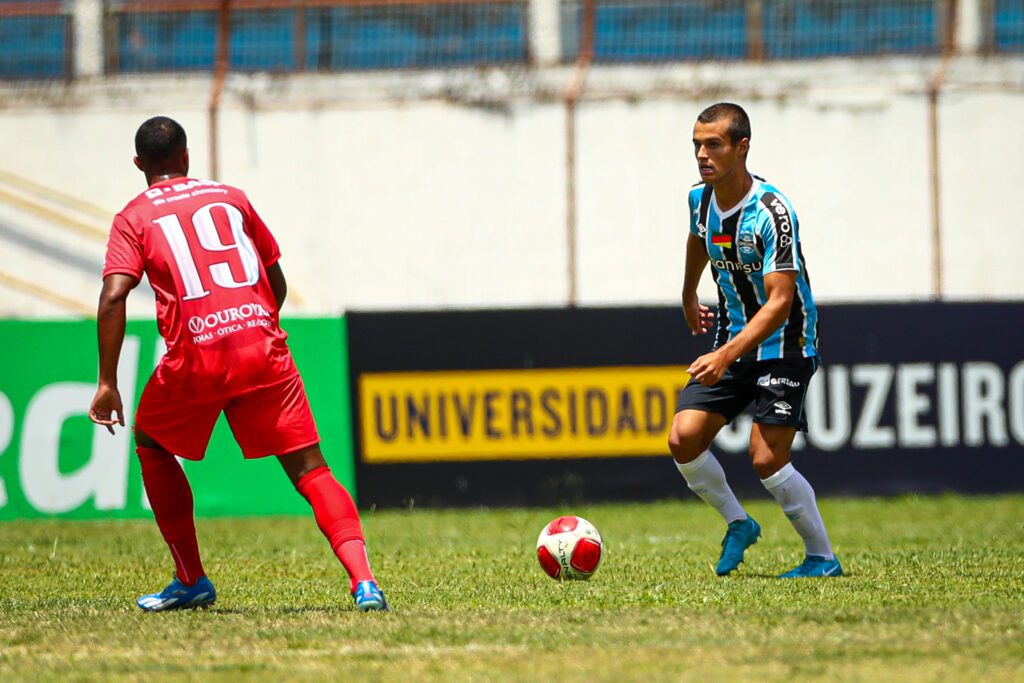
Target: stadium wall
{"x":450,"y":189}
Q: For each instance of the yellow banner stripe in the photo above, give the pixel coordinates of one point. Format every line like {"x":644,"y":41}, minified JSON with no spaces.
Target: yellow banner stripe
{"x":517,"y":414}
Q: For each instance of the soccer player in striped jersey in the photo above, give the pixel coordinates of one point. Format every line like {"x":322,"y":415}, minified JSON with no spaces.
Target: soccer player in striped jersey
{"x":764,"y":346}
{"x":219,"y":287}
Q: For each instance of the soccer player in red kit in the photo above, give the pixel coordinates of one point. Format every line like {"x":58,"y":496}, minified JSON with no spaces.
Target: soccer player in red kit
{"x":213,"y":265}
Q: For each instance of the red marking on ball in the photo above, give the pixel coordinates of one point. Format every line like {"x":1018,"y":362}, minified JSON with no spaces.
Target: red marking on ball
{"x":586,"y":556}
{"x":567,"y":523}
{"x":548,"y":562}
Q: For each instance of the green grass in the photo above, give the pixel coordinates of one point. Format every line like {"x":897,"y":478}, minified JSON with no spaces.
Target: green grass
{"x":934,"y":592}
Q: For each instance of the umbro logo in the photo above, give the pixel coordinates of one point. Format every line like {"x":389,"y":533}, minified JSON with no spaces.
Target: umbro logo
{"x":783,"y":408}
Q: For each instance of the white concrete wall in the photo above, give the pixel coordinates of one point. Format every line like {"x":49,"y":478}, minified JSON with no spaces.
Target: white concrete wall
{"x":427,"y":206}
{"x":449,"y":190}
{"x":982,"y":168}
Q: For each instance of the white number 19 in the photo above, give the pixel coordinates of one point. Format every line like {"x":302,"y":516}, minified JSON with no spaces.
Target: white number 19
{"x":206,"y":231}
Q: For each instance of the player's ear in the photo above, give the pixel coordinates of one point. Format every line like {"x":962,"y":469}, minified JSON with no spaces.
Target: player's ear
{"x":138,"y":164}
{"x":744,"y":146}
{"x":184,"y":161}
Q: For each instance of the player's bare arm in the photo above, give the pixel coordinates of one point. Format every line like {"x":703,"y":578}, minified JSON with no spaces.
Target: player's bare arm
{"x":709,"y":368}
{"x":106,"y":408}
{"x":699,"y":318}
{"x":277,"y":283}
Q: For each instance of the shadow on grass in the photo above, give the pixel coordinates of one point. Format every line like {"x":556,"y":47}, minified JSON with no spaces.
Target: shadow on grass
{"x":255,"y":611}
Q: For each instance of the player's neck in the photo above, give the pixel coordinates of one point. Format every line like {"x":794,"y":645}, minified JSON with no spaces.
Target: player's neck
{"x":731,"y":190}
{"x":163,"y":177}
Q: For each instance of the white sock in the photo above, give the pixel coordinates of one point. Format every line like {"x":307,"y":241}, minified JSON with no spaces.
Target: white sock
{"x":705,"y":477}
{"x":796,"y":497}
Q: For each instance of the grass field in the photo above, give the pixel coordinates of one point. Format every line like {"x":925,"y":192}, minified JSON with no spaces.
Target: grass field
{"x":934,"y":592}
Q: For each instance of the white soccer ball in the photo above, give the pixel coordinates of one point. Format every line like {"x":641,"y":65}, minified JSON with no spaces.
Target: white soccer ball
{"x":569,"y":547}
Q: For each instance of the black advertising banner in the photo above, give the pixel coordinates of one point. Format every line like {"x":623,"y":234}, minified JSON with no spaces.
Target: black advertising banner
{"x":540,"y":406}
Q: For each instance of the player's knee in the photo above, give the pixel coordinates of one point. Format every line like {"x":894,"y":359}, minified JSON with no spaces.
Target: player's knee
{"x":298,"y":464}
{"x":766,"y":461}
{"x":686,"y":440}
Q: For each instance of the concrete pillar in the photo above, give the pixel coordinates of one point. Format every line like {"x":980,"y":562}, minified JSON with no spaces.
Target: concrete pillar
{"x":971,"y":33}
{"x":545,"y":32}
{"x":87,"y":19}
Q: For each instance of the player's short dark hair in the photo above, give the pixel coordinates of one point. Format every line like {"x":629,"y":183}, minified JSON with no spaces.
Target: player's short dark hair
{"x":159,"y":139}
{"x":739,"y":122}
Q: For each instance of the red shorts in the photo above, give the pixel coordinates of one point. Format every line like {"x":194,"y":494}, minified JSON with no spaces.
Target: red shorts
{"x":269,"y":420}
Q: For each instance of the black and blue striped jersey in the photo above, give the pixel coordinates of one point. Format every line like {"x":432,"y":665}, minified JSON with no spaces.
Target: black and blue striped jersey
{"x":759,"y":235}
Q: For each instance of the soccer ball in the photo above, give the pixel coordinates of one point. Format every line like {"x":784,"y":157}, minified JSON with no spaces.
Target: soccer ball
{"x":569,"y":547}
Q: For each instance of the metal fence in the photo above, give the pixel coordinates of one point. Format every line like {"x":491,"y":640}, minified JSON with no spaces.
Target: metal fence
{"x":806,"y":29}
{"x":37,"y":39}
{"x":674,"y":30}
{"x":657,"y":30}
{"x":1008,"y":26}
{"x":282,"y":35}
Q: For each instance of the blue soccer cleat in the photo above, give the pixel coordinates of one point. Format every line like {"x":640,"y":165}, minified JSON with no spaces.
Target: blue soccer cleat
{"x":742,"y":534}
{"x":369,"y":597}
{"x":814,"y":566}
{"x":179,"y":596}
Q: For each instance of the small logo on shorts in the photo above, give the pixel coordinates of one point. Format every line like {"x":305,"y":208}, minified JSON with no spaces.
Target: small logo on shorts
{"x":764,"y":380}
{"x":782,"y":408}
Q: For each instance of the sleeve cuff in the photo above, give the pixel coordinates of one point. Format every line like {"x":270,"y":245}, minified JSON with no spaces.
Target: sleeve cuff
{"x":115,"y":270}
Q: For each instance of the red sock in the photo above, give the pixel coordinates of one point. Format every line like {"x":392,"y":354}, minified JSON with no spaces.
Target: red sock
{"x":338,"y":519}
{"x":170,"y":496}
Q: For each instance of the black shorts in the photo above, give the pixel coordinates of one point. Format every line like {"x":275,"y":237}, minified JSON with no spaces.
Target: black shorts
{"x":777,"y":389}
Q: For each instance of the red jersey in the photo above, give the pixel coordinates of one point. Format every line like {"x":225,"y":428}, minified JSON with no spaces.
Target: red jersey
{"x":205,"y":251}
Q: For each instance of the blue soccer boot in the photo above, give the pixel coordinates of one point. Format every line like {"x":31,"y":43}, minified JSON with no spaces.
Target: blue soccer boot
{"x":369,"y":597}
{"x":814,"y":566}
{"x":179,"y":596}
{"x":741,"y":534}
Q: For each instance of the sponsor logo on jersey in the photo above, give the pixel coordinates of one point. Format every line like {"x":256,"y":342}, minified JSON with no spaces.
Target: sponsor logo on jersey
{"x":764,"y":380}
{"x":245,"y":312}
{"x":782,"y":223}
{"x":177,"y":192}
{"x":725,"y":264}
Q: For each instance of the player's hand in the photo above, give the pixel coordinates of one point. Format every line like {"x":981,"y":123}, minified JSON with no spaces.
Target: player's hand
{"x":709,"y":368}
{"x":699,"y":317}
{"x":105,"y":404}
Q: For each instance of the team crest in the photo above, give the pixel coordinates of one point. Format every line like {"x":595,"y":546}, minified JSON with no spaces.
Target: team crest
{"x":745,"y":242}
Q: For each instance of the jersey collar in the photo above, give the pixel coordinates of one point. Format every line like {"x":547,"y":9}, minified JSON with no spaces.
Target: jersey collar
{"x":740,"y":204}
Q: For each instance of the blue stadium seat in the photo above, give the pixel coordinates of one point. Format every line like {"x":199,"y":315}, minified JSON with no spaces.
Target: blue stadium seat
{"x":34,"y":47}
{"x":1008,"y":31}
{"x":805,"y":29}
{"x":667,"y":30}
